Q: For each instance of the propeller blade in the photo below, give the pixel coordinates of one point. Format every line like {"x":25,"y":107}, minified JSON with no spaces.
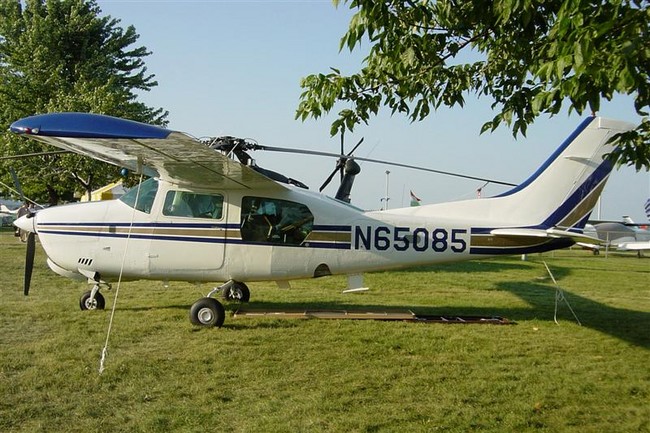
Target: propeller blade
{"x":29,"y":260}
{"x":19,"y":188}
{"x":330,"y":177}
{"x":356,"y":146}
{"x":340,"y":164}
{"x":379,"y":161}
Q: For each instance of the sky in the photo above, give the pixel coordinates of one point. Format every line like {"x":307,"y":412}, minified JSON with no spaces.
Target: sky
{"x":234,"y":68}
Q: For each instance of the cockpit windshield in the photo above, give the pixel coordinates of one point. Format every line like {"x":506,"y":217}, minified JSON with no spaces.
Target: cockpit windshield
{"x":145,"y":194}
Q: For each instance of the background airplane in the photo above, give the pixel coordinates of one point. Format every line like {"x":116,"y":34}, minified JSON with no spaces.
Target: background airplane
{"x":7,"y":215}
{"x":625,"y":235}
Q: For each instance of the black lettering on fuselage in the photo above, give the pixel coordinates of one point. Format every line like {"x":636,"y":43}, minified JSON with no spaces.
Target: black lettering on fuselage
{"x":420,"y":239}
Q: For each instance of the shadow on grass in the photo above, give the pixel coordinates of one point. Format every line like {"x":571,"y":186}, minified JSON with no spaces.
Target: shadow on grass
{"x":624,"y":324}
{"x":628,"y":325}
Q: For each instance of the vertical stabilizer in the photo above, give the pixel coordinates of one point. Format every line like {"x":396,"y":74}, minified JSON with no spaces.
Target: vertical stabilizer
{"x":559,"y":195}
{"x":564,"y":190}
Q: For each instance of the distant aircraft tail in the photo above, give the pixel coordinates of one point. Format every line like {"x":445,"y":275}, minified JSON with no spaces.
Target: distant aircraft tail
{"x":5,"y":209}
{"x":628,"y":220}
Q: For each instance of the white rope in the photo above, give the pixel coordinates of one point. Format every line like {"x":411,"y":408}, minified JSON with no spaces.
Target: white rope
{"x":102,"y":360}
{"x":559,"y":296}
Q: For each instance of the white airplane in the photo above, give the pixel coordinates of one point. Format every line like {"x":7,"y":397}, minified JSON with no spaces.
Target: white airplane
{"x":204,"y":217}
{"x":625,"y":235}
{"x":7,"y":215}
{"x":5,"y":210}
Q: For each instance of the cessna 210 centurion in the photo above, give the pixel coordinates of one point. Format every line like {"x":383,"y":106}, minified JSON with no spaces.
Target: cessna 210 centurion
{"x":203,"y":216}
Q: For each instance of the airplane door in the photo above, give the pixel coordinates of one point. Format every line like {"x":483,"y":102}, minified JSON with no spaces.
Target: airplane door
{"x":189,"y":236}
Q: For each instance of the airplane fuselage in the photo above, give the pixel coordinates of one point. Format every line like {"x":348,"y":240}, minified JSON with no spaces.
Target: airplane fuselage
{"x":270,"y":235}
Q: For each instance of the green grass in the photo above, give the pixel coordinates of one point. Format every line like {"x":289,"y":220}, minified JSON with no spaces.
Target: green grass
{"x":269,"y":374}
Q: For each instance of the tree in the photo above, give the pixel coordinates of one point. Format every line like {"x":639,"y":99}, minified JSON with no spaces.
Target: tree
{"x":532,"y":57}
{"x":61,"y":55}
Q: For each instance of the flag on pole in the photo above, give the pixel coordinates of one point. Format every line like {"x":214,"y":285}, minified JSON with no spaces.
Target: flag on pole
{"x":647,"y":209}
{"x":415,"y":200}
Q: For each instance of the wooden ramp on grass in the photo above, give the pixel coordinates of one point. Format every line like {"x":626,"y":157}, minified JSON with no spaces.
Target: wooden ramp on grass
{"x":399,"y":315}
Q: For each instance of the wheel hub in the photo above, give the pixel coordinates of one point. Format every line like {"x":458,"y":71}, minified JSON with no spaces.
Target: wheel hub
{"x":205,"y":315}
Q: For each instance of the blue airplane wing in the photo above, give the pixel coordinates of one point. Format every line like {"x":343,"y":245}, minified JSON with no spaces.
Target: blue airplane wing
{"x":142,"y":148}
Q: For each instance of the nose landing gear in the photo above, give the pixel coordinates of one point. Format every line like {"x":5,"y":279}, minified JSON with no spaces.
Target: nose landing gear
{"x":92,"y":299}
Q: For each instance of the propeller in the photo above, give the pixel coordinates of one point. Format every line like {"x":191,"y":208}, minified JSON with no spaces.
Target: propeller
{"x":29,"y":260}
{"x":31,"y":236}
{"x":340,"y":164}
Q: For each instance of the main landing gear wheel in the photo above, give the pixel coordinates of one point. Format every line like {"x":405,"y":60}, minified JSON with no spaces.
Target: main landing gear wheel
{"x":237,"y":292}
{"x":207,"y":312}
{"x":98,"y":303}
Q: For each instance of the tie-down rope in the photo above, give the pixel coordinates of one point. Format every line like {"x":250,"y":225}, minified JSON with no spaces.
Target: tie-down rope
{"x":102,"y":361}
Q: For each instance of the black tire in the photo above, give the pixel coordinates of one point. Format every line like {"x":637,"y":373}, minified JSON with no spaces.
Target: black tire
{"x":238,"y":292}
{"x":98,"y":304}
{"x":207,"y":312}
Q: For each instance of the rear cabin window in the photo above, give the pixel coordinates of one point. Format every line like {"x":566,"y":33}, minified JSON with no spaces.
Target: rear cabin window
{"x":265,"y":220}
{"x":192,"y":205}
{"x":145,"y":193}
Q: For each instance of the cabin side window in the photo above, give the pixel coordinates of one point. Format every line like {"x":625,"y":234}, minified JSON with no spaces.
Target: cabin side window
{"x":145,"y":194}
{"x":191,"y":205}
{"x":267,"y":220}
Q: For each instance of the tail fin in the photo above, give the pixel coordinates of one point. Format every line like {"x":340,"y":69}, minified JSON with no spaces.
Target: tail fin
{"x":628,"y":220}
{"x":564,"y":190}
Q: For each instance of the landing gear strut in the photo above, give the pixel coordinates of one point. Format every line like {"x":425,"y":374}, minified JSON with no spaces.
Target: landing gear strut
{"x":209,"y":312}
{"x":92,"y":299}
{"x":89,"y":302}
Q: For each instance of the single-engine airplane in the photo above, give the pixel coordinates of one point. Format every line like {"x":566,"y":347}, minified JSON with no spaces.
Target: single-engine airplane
{"x":625,"y":235}
{"x":203,"y":216}
{"x":7,"y":215}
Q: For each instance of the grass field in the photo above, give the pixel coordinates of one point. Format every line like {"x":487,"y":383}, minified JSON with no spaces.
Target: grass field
{"x":277,"y":375}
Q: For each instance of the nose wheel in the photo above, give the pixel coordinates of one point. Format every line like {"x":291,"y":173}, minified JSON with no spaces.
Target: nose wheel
{"x":88,"y":301}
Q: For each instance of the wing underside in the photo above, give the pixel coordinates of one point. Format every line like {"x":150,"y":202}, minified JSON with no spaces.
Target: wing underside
{"x":172,"y":156}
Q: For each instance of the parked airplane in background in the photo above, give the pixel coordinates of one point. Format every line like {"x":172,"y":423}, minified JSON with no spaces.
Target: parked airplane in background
{"x":203,"y":216}
{"x":625,"y":235}
{"x":7,"y":215}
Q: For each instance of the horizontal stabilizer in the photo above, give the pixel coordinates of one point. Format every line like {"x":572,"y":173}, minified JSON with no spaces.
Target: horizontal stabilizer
{"x":548,"y":233}
{"x":634,"y":246}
